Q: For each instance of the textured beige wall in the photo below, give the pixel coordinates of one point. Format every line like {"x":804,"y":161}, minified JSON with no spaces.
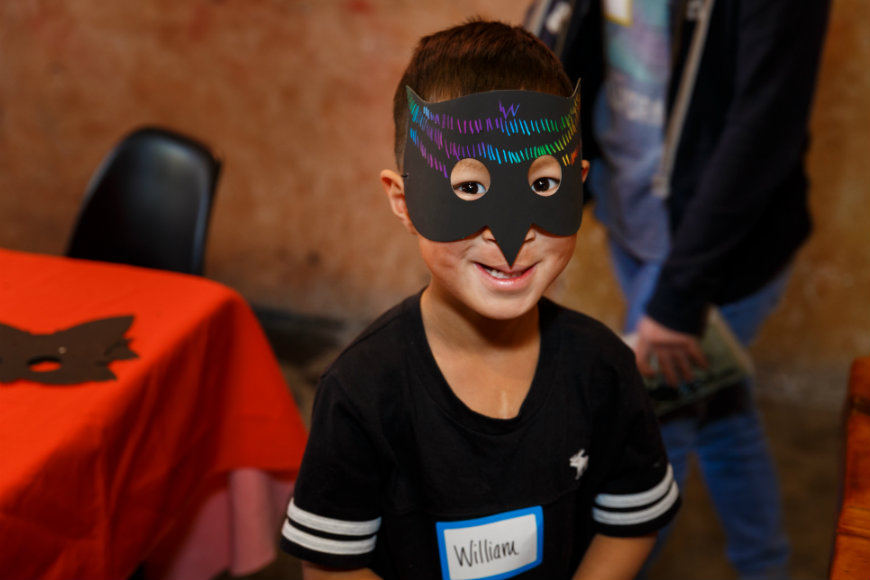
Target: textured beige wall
{"x":824,"y":321}
{"x":295,"y":95}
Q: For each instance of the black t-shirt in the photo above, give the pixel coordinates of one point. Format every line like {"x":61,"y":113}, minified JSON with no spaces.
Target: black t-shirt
{"x":399,"y":475}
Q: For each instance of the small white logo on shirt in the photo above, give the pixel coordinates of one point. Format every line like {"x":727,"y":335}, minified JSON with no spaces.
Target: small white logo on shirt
{"x":578,"y":461}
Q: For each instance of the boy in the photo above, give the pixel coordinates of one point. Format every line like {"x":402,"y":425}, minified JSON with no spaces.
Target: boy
{"x":478,"y":430}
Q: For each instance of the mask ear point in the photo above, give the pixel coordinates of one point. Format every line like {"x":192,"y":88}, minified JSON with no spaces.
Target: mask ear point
{"x":413,"y":97}
{"x":576,"y":93}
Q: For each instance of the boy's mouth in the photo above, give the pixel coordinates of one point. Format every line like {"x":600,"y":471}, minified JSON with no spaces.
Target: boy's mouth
{"x":501,"y":274}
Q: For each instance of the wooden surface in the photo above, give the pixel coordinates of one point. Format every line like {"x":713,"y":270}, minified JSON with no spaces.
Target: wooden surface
{"x":851,"y":557}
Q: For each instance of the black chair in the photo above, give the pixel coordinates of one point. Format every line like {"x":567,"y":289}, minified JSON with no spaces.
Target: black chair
{"x":149,"y":203}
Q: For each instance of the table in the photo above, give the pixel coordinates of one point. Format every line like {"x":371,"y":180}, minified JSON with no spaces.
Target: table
{"x":182,"y":462}
{"x":850,"y":559}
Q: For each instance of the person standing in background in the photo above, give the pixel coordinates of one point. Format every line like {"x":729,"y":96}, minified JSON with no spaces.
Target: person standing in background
{"x":695,"y":120}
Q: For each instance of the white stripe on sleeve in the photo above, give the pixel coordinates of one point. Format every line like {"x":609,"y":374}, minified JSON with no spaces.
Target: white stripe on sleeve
{"x":628,"y":518}
{"x":622,"y":501}
{"x":331,"y":525}
{"x":326,"y":545}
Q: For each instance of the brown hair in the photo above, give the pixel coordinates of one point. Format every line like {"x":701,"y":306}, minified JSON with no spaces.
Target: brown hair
{"x":474,"y":57}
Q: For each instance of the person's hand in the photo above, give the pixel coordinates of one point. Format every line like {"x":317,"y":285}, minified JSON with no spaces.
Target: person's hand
{"x":675,"y":351}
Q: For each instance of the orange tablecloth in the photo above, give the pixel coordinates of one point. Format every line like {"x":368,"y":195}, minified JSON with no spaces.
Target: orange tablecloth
{"x":95,"y":477}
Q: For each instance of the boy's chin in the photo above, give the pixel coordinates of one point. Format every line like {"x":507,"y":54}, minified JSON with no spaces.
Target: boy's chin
{"x":504,"y":308}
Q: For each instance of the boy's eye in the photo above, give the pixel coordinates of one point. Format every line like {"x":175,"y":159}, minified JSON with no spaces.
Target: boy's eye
{"x":545,"y":175}
{"x":545,"y":185}
{"x":469,"y":179}
{"x":470,"y":188}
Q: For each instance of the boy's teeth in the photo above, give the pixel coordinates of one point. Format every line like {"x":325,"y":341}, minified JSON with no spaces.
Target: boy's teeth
{"x":500,"y":274}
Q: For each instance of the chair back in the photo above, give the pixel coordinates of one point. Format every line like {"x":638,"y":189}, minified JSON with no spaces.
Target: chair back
{"x":149,"y":203}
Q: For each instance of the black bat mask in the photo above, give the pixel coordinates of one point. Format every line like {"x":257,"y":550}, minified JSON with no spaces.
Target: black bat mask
{"x":506,"y":131}
{"x":78,"y":354}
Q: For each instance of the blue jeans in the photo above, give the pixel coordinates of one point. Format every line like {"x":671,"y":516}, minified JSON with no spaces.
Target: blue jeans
{"x":725,"y":433}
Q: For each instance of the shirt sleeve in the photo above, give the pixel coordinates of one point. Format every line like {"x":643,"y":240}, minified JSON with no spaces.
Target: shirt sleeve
{"x":640,"y":494}
{"x":334,"y":515}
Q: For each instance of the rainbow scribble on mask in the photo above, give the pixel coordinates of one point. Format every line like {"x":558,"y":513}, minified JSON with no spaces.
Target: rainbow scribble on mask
{"x":434,"y":126}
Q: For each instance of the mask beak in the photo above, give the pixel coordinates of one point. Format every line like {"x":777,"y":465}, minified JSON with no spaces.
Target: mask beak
{"x":510,"y":238}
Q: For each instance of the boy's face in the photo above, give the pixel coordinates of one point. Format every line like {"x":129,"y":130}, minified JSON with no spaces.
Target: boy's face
{"x":496,"y":211}
{"x":503,"y":160}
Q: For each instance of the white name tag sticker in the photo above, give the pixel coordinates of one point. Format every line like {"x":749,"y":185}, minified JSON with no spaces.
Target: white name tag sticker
{"x":494,"y":547}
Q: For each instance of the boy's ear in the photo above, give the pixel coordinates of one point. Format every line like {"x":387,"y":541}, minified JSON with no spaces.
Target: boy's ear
{"x":394,"y":187}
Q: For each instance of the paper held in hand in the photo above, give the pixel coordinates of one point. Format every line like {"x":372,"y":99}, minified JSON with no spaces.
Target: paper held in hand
{"x":728,"y":363}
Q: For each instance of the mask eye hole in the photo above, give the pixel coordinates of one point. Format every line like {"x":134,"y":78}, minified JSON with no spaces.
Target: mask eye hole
{"x":545,"y":175}
{"x":470,"y":179}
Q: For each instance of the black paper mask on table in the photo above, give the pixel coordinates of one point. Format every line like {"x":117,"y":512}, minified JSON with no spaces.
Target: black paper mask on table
{"x":506,"y":131}
{"x":75,"y":355}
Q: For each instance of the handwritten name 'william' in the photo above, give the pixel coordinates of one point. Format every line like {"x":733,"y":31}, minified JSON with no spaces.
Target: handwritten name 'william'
{"x":482,"y":552}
